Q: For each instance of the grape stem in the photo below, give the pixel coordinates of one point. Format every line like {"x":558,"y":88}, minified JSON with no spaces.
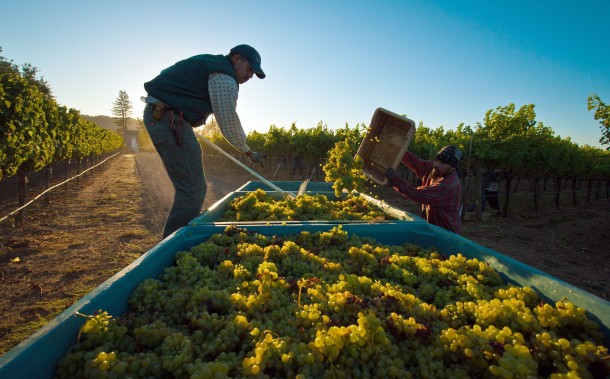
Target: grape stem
{"x":264,"y":333}
{"x":299,"y":297}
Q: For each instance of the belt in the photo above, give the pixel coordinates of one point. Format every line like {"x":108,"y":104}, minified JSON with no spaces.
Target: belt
{"x":159,"y":109}
{"x":156,"y":104}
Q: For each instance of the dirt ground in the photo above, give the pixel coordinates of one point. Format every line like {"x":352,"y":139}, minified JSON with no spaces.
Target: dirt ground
{"x":92,"y":230}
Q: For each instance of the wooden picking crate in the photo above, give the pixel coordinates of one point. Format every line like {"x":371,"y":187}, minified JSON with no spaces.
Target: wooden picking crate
{"x":385,"y":143}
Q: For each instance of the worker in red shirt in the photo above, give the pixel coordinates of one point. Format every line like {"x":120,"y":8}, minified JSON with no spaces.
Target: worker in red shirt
{"x":439,"y":193}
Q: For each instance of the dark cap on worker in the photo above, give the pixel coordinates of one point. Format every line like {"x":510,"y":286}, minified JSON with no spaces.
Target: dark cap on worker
{"x":252,"y":56}
{"x":450,"y":155}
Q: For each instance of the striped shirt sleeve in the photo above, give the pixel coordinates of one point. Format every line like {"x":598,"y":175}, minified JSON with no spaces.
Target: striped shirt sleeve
{"x":223,"y":90}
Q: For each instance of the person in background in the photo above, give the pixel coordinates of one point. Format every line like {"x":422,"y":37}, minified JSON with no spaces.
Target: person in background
{"x":491,"y":180}
{"x":297,"y":165}
{"x":182,"y":97}
{"x":439,"y":192}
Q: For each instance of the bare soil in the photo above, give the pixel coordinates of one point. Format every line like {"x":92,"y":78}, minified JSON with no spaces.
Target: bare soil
{"x":94,"y":229}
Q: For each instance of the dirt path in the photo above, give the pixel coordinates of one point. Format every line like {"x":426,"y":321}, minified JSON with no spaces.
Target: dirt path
{"x":69,"y":247}
{"x":81,"y":239}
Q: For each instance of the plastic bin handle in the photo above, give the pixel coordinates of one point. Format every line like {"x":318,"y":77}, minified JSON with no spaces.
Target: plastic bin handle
{"x":237,"y":162}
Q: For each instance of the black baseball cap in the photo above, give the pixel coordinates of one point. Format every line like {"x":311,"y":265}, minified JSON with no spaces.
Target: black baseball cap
{"x":252,"y":56}
{"x":450,"y":155}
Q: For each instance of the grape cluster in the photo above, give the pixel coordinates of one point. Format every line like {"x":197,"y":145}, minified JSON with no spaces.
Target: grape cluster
{"x":260,"y":206}
{"x":344,"y":169}
{"x":333,"y":305}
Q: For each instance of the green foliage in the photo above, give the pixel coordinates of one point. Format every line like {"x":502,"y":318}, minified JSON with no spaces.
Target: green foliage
{"x":256,"y":141}
{"x":35,"y":131}
{"x":504,"y":134}
{"x":509,"y":139}
{"x":602,"y":114}
{"x":23,"y":126}
{"x":311,"y":144}
{"x":428,"y":142}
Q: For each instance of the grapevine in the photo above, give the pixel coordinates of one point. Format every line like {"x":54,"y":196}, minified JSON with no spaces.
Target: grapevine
{"x":329,"y":304}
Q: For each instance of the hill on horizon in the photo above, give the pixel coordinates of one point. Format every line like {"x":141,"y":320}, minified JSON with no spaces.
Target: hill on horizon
{"x":108,"y":122}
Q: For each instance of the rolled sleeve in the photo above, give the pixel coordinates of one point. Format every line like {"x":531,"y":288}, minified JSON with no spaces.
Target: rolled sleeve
{"x":223,"y":90}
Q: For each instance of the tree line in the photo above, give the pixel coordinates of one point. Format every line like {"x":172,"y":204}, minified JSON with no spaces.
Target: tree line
{"x":36,"y":132}
{"x":510,"y":139}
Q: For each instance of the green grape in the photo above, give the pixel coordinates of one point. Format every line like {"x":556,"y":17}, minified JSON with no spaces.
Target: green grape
{"x":344,"y":169}
{"x":259,"y":206}
{"x":330,"y":304}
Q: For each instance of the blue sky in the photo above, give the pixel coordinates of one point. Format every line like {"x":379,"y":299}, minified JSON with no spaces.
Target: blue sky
{"x":440,"y":62}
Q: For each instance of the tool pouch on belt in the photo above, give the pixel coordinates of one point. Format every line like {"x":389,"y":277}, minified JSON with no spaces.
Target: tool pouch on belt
{"x":158,"y":110}
{"x":176,"y":127}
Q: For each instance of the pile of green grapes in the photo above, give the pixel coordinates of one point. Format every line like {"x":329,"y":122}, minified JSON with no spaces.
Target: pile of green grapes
{"x":333,"y":305}
{"x":344,"y":169}
{"x":260,"y":206}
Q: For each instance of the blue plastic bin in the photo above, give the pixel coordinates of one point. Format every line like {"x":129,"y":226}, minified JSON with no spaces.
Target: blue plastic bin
{"x":291,"y":186}
{"x":37,"y":355}
{"x":215,"y":212}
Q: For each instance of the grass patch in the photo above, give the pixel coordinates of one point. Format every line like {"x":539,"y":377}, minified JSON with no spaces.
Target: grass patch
{"x":73,"y":270}
{"x":134,"y":233}
{"x":133,"y":250}
{"x":118,"y":215}
{"x":44,"y":312}
{"x":127,"y":180}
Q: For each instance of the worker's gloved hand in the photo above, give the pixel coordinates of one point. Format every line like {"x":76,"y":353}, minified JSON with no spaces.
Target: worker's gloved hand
{"x":391,"y":174}
{"x":255,"y":157}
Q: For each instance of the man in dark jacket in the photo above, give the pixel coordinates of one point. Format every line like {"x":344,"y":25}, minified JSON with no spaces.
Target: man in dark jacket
{"x":439,"y":192}
{"x":182,"y":97}
{"x":491,"y":184}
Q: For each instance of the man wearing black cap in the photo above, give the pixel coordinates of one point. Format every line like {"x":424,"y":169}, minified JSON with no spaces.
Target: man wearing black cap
{"x":183,"y":96}
{"x":439,"y":193}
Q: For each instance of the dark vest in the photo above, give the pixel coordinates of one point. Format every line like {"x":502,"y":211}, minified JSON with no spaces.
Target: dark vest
{"x":184,"y":86}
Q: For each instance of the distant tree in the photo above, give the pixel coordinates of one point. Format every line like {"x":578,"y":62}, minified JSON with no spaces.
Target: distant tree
{"x":211,"y":128}
{"x":602,"y":114}
{"x":122,"y":110}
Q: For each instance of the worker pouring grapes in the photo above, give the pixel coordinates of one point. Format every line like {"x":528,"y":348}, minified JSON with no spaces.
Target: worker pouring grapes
{"x":439,"y":192}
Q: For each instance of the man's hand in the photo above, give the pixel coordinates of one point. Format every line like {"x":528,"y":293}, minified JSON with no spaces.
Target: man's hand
{"x":391,"y":174}
{"x":255,"y":157}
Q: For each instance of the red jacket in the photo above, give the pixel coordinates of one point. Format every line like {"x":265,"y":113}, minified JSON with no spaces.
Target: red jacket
{"x":440,"y":197}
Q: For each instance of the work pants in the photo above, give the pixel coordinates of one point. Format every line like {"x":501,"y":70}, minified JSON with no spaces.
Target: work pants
{"x":184,"y":166}
{"x":492,"y":199}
